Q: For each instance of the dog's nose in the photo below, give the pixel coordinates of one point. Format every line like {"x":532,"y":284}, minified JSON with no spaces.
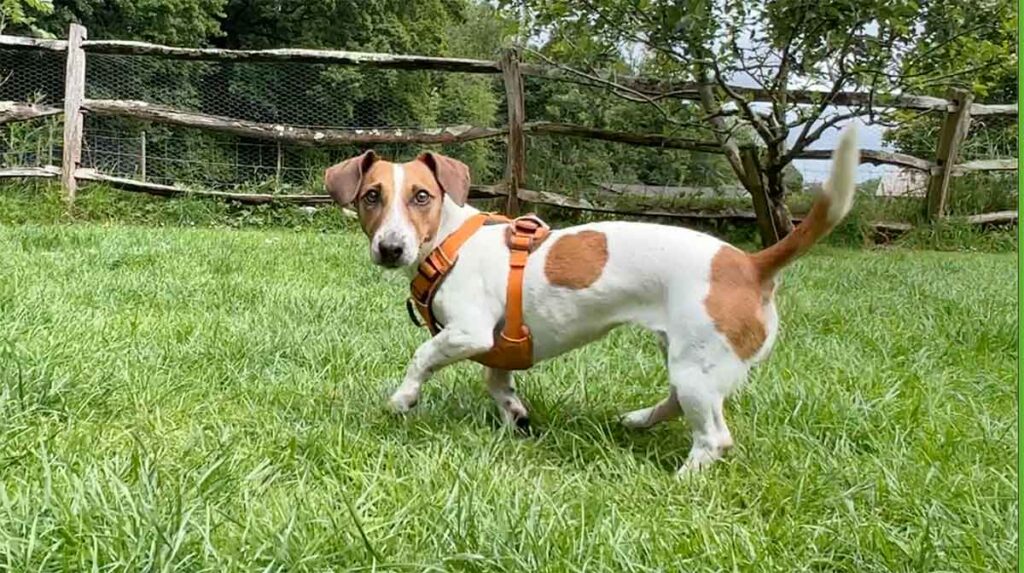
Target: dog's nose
{"x":390,"y":253}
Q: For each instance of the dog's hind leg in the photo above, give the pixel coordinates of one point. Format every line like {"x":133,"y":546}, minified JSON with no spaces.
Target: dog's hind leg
{"x":701,"y":391}
{"x":667,"y":409}
{"x":503,"y":390}
{"x":664,"y":410}
{"x":662,"y":338}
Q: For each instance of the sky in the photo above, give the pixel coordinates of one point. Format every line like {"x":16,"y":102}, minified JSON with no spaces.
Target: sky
{"x":870,"y":138}
{"x":813,"y":170}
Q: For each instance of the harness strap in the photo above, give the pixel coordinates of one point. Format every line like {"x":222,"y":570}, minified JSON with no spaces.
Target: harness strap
{"x":436,"y":266}
{"x":523,"y":236}
{"x":513,"y":346}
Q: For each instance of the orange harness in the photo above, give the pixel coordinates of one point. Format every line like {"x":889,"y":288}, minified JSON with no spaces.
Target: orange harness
{"x":513,"y":345}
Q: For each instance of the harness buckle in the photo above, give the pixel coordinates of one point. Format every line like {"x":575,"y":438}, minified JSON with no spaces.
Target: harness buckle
{"x":528,"y":224}
{"x":520,"y":242}
{"x":526,"y":233}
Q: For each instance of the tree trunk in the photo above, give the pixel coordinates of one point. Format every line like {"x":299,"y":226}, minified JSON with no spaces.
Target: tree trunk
{"x":768,"y":194}
{"x":773,"y":176}
{"x":782,"y":219}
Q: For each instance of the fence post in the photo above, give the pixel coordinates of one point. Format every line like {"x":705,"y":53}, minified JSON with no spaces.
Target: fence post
{"x":755,"y":186}
{"x":142,"y":155}
{"x":515,"y":166}
{"x":49,"y":142}
{"x":954,"y":131}
{"x":277,"y":168}
{"x":74,"y":93}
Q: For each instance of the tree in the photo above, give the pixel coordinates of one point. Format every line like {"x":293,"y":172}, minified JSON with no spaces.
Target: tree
{"x":174,"y":22}
{"x":769,"y":48}
{"x":977,"y":36}
{"x":20,"y":16}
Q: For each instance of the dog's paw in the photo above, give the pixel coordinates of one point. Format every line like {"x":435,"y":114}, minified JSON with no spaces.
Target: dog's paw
{"x":523,"y":424}
{"x":698,"y":462}
{"x":515,"y":417}
{"x":402,"y":402}
{"x":637,"y":419}
{"x":519,"y":425}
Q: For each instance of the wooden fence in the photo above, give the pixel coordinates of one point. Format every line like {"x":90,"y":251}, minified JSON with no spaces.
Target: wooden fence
{"x":958,"y":109}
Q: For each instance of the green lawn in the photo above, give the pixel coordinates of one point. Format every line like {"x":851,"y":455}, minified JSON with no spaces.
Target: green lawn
{"x":207,"y":399}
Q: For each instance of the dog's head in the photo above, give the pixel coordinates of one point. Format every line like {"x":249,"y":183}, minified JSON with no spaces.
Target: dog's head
{"x":399,"y":204}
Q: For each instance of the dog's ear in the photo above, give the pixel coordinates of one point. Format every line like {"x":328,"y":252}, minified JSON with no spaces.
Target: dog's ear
{"x":451,"y":174}
{"x":342,"y":180}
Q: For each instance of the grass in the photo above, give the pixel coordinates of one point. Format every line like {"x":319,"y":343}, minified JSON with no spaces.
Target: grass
{"x":41,"y":202}
{"x":212,"y":399}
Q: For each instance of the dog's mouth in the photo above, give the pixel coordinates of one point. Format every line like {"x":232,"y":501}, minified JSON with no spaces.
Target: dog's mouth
{"x":391,"y":254}
{"x":391,"y":264}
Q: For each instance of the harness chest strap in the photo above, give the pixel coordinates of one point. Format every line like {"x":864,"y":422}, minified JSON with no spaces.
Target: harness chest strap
{"x":513,"y":345}
{"x":436,"y":266}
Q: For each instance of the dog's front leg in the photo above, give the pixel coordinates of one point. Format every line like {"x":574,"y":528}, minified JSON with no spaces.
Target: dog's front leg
{"x":450,"y":345}
{"x":503,"y":390}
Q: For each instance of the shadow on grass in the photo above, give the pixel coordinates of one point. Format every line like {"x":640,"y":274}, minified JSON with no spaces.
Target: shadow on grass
{"x":571,"y":435}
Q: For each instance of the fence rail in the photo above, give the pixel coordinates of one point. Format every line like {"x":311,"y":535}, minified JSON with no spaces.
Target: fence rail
{"x":370,"y":60}
{"x":691,"y":91}
{"x":277,"y":132}
{"x":958,"y":110}
{"x":11,"y":111}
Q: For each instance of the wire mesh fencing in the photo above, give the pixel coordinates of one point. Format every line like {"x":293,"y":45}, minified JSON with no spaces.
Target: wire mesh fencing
{"x":299,"y":94}
{"x":35,"y":77}
{"x":339,"y":97}
{"x":277,"y":93}
{"x":355,"y":98}
{"x":195,"y":158}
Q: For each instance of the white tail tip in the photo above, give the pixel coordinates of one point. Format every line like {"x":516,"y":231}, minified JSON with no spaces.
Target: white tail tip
{"x":842,"y":181}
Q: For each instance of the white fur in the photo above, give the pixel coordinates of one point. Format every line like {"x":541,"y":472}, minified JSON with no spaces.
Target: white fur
{"x":656,"y":276}
{"x":396,"y":226}
{"x":842,"y":183}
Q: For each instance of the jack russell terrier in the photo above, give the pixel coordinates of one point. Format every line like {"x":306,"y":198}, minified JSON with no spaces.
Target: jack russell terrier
{"x":710,"y":304}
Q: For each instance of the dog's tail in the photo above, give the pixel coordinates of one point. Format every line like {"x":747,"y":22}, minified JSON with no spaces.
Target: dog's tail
{"x":828,"y":210}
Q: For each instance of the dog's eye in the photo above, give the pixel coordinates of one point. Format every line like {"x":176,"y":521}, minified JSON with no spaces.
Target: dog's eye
{"x":371,"y":197}
{"x":421,"y":198}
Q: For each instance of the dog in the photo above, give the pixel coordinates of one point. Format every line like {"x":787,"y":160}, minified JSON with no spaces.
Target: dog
{"x":710,"y":304}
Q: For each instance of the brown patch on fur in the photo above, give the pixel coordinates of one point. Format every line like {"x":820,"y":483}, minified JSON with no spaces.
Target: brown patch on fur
{"x":425,"y":218}
{"x":742,"y":285}
{"x":451,"y":174}
{"x":813,"y":227}
{"x":577,"y":261}
{"x":736,"y":301}
{"x":381,"y":178}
